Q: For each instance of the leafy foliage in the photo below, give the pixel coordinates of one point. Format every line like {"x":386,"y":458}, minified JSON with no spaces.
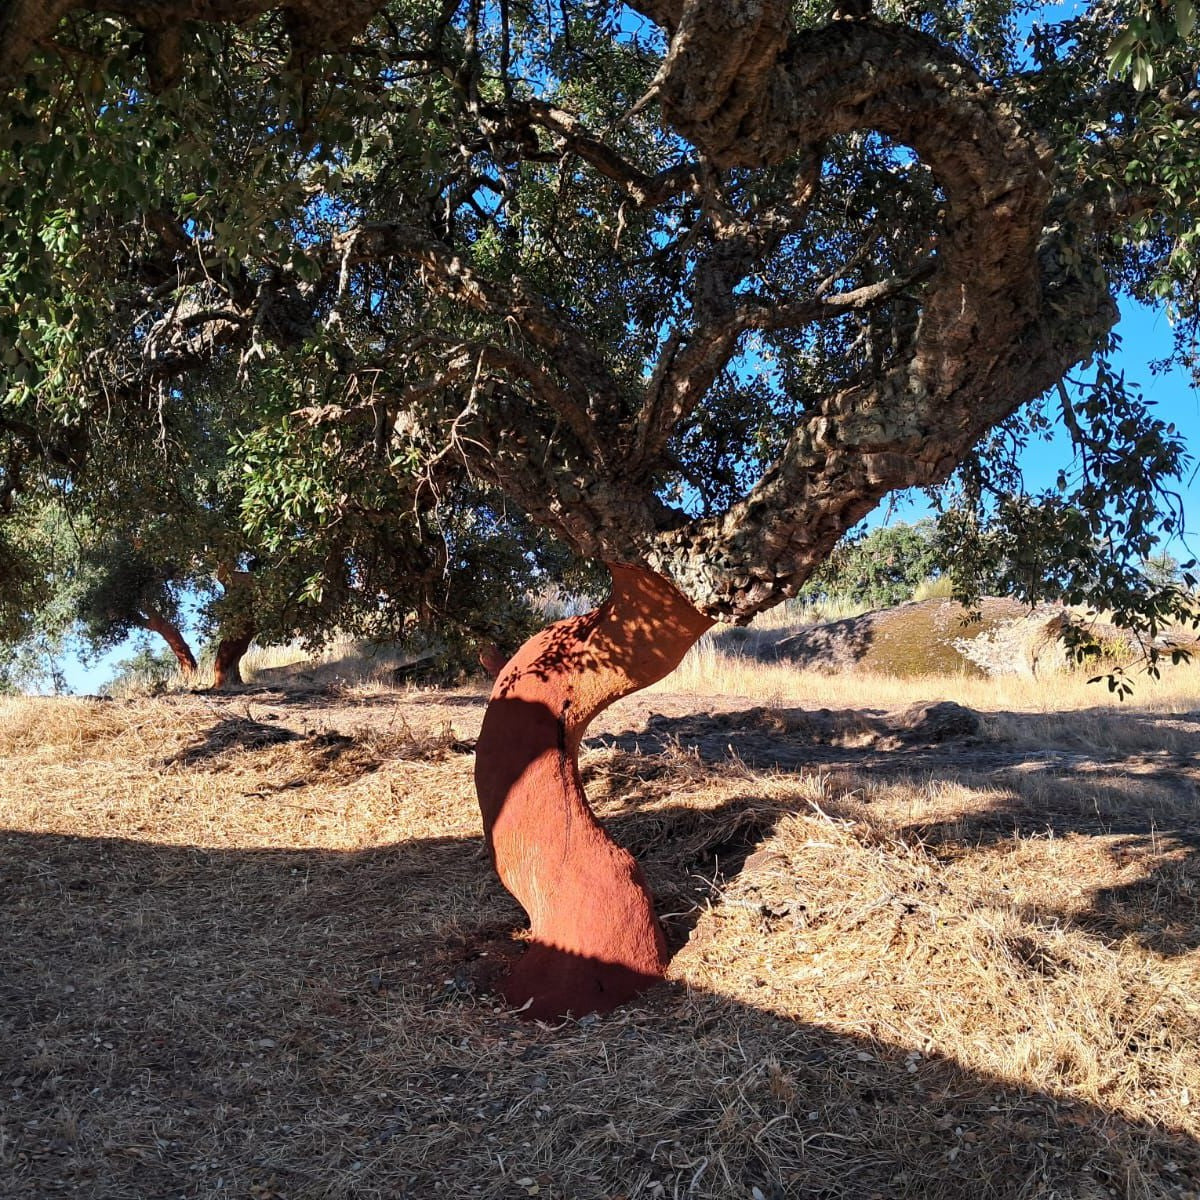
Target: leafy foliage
{"x":880,"y":568}
{"x":146,"y":669}
{"x":305,"y":318}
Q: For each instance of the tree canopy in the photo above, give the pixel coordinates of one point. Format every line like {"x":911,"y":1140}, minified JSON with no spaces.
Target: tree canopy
{"x":290,"y":532}
{"x":694,"y":285}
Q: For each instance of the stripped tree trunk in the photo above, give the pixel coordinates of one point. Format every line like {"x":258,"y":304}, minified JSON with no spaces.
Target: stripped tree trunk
{"x":227,"y":669}
{"x":596,"y":940}
{"x":238,"y":625}
{"x":169,"y":632}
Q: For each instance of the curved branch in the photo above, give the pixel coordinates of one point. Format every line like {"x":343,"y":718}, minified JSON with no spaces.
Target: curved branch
{"x":447,"y":272}
{"x":570,"y":136}
{"x":689,"y":364}
{"x":1004,"y":311}
{"x":897,"y":431}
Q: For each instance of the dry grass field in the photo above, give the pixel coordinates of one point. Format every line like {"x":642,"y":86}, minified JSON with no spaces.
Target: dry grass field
{"x":245,"y":944}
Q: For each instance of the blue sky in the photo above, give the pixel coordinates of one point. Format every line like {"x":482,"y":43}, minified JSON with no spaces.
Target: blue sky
{"x":85,"y":680}
{"x":1145,"y":338}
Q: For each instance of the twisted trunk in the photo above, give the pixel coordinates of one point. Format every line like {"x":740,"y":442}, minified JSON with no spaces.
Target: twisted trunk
{"x":169,"y":632}
{"x":596,"y":940}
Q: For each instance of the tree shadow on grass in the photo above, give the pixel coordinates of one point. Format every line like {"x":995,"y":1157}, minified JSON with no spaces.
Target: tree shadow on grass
{"x":1047,"y":777}
{"x":841,"y":643}
{"x":230,"y":734}
{"x":898,"y":743}
{"x":296,"y":1023}
{"x":336,"y":695}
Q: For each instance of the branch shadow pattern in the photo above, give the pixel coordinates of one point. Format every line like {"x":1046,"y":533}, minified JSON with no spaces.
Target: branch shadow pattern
{"x":1078,"y":792}
{"x":232,"y":733}
{"x":299,"y":1023}
{"x":845,"y":641}
{"x":334,"y":695}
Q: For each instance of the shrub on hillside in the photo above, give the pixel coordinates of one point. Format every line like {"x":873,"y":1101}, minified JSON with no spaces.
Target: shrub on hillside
{"x":880,"y":568}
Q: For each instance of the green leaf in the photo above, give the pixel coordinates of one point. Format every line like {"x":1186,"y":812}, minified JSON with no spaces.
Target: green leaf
{"x":1185,"y":18}
{"x":1120,"y":53}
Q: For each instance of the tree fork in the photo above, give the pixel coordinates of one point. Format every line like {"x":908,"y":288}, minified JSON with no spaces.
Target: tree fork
{"x":596,"y":940}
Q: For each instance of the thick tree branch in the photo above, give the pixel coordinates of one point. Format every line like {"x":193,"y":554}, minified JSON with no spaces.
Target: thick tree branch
{"x":24,"y":24}
{"x":689,"y":364}
{"x":1003,"y":312}
{"x":570,"y":137}
{"x":866,"y":441}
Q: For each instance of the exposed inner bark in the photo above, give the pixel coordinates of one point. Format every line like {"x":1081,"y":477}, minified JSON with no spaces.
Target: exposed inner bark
{"x":596,"y":940}
{"x":492,"y":659}
{"x":238,"y":625}
{"x":169,"y":632}
{"x":227,"y":669}
{"x":1004,"y":297}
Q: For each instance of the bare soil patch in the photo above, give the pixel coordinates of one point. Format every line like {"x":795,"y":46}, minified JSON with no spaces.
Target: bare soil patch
{"x":245,"y":945}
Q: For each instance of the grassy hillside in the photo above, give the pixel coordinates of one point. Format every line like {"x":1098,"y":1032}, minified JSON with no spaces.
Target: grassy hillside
{"x":245,"y":945}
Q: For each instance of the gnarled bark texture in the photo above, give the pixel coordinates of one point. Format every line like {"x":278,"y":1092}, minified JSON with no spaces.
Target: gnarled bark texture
{"x":312,"y":25}
{"x":987,"y":311}
{"x":596,"y":940}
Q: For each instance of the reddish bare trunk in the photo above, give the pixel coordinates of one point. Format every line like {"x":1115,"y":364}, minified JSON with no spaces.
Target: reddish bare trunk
{"x":596,"y":940}
{"x":227,"y":669}
{"x":492,"y":659}
{"x":169,"y":632}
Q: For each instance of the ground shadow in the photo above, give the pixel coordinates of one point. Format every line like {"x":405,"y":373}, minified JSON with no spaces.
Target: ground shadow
{"x":336,"y":695}
{"x":791,"y":739}
{"x":847,"y":640}
{"x":297,"y":1024}
{"x":229,"y":734}
{"x":1042,"y":779}
{"x":230,"y":737}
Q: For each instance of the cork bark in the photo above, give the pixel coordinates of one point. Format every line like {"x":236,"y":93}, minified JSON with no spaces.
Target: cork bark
{"x":596,"y":941}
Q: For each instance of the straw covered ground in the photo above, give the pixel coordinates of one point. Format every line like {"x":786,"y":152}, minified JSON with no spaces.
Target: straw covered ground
{"x":245,"y":945}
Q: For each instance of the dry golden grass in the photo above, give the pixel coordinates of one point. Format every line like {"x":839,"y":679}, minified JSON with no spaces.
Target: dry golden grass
{"x":245,"y":942}
{"x":710,"y":670}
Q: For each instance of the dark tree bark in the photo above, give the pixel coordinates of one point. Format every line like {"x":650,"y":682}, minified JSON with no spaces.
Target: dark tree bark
{"x":170,"y":633}
{"x":596,"y":940}
{"x":313,"y":25}
{"x":1006,"y":305}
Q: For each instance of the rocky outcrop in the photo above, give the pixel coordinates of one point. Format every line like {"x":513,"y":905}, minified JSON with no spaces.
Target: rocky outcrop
{"x":937,"y":637}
